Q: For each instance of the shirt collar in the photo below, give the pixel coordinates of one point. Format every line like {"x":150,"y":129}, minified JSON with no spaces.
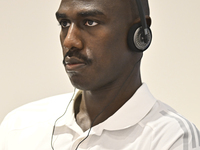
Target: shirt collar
{"x":134,"y":110}
{"x":131,"y":113}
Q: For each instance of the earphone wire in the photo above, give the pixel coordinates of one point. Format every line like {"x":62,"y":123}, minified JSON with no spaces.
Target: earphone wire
{"x":108,"y":104}
{"x":61,"y":117}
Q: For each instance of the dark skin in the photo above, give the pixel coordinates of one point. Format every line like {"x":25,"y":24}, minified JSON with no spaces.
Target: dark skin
{"x":109,"y":72}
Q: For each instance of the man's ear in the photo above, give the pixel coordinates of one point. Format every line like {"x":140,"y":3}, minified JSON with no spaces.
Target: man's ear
{"x":148,"y":20}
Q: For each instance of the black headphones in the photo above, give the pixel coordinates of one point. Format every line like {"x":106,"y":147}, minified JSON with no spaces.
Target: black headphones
{"x":139,"y":35}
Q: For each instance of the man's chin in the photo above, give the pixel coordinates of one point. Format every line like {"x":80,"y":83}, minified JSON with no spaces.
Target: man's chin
{"x":77,"y":81}
{"x":81,"y":84}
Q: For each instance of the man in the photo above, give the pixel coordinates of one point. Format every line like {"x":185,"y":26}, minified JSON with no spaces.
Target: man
{"x":113,"y":110}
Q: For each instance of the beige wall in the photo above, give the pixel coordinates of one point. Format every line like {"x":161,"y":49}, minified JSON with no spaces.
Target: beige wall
{"x":31,"y":58}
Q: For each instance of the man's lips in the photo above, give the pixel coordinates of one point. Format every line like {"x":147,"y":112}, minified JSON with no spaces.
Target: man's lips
{"x":74,"y":66}
{"x":72,"y":63}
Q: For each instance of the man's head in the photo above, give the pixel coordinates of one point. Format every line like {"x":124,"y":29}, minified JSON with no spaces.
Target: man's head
{"x":94,"y":40}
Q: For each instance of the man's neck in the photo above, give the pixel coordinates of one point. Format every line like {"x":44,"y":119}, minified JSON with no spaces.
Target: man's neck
{"x":96,"y":106}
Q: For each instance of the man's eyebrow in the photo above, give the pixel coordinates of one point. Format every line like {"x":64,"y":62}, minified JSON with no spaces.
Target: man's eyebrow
{"x":59,"y":15}
{"x":86,"y":13}
{"x":89,"y":13}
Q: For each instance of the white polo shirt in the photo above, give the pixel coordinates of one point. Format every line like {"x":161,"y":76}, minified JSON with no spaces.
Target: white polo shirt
{"x":142,"y":123}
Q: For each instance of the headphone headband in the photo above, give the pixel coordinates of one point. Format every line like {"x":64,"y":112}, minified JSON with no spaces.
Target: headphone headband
{"x":143,"y":19}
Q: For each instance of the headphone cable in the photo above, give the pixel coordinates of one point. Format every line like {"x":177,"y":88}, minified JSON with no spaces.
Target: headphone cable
{"x":61,"y":117}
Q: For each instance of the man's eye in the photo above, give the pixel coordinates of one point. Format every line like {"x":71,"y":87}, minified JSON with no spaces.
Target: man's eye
{"x":91,"y":23}
{"x":65,"y":24}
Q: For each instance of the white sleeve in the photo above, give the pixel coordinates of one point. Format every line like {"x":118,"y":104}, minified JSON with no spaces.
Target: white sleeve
{"x":188,"y":141}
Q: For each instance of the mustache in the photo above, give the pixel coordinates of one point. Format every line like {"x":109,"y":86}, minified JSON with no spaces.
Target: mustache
{"x":77,"y":54}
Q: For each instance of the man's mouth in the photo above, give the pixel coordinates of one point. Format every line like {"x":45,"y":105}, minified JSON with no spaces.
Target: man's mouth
{"x":72,"y":63}
{"x":75,"y":66}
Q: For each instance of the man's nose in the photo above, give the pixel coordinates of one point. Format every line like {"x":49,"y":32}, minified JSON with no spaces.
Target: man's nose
{"x":73,"y":38}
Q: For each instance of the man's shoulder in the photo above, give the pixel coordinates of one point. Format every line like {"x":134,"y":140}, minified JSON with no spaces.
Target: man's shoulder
{"x":163,"y":115}
{"x":44,"y":110}
{"x":168,"y":129}
{"x":166,"y":124}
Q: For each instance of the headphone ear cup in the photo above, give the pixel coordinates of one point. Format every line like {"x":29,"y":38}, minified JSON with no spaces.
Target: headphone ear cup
{"x":135,"y":39}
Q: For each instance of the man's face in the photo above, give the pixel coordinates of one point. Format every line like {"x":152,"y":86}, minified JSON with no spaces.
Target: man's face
{"x":95,"y":34}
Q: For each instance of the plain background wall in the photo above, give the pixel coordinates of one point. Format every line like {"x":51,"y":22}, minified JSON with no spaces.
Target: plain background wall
{"x":31,"y":57}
